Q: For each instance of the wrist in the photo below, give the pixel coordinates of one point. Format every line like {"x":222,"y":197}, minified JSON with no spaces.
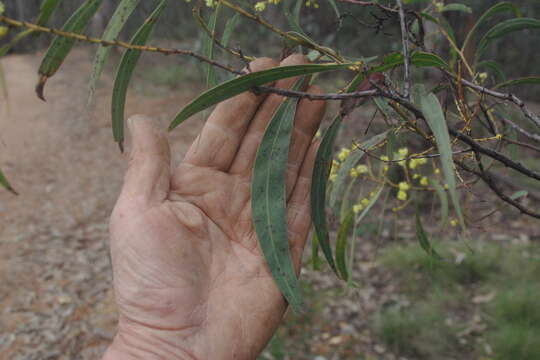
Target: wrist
{"x":135,"y":343}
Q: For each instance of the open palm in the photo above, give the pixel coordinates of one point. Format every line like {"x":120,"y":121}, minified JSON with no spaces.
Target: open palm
{"x":190,"y":280}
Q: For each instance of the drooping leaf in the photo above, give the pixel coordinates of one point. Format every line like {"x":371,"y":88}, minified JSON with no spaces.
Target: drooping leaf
{"x":531,"y":80}
{"x":268,"y":201}
{"x":494,"y":67}
{"x":422,"y":238}
{"x":443,"y":198}
{"x":319,"y":182}
{"x":119,"y":18}
{"x":5,"y":183}
{"x":336,"y":9}
{"x":498,"y":8}
{"x":293,"y":18}
{"x":125,"y":70}
{"x":358,"y":219}
{"x":208,"y":49}
{"x":229,"y":29}
{"x":341,"y":244}
{"x":336,"y":195}
{"x":431,"y":108}
{"x":61,"y":46}
{"x":457,"y":7}
{"x":243,"y":83}
{"x":46,"y":10}
{"x":315,"y":259}
{"x":504,"y":28}
{"x":3,"y":85}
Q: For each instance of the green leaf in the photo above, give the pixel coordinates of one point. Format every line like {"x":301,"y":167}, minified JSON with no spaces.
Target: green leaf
{"x":3,"y":85}
{"x":229,"y":29}
{"x":443,"y":198}
{"x":294,"y":18}
{"x":419,"y":59}
{"x":125,"y":70}
{"x":336,"y":195}
{"x":519,"y":194}
{"x":341,"y":245}
{"x":61,"y":46}
{"x":368,"y":207}
{"x":208,"y":49}
{"x":319,"y":182}
{"x":315,"y":259}
{"x":336,"y":9}
{"x":494,"y":67}
{"x":116,"y":24}
{"x":246,"y":82}
{"x":5,"y":183}
{"x":45,"y":11}
{"x":431,"y":108}
{"x":504,"y":28}
{"x":457,"y":7}
{"x":357,"y":220}
{"x":492,"y":11}
{"x":268,"y":201}
{"x":423,"y":239}
{"x":531,"y":80}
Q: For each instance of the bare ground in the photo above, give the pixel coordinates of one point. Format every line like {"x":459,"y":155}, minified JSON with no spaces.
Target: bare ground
{"x":55,"y":279}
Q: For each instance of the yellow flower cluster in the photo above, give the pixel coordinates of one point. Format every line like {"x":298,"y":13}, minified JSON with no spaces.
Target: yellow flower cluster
{"x":403,"y":188}
{"x":414,"y":163}
{"x":359,"y":170}
{"x":261,"y":5}
{"x":333,"y":171}
{"x":211,"y":3}
{"x":2,"y":8}
{"x":312,"y":2}
{"x":362,"y":204}
{"x":343,"y":154}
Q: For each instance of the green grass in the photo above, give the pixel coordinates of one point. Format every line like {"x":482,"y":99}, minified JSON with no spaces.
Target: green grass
{"x":438,"y":290}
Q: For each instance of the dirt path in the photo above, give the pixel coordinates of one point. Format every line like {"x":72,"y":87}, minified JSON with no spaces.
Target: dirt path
{"x":55,"y":298}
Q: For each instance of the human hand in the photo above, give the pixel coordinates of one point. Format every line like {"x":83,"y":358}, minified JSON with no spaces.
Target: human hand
{"x":189,"y":278}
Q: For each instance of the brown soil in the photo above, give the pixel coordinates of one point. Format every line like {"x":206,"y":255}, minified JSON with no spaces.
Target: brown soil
{"x":55,"y":279}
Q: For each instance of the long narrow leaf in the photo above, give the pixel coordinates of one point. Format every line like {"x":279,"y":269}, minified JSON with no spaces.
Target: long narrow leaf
{"x":498,"y":8}
{"x":443,"y":198}
{"x":61,"y":46}
{"x":125,"y":70}
{"x":431,"y":108}
{"x":341,"y":245}
{"x":229,"y":29}
{"x":115,"y":25}
{"x":46,"y":10}
{"x":318,"y":189}
{"x":208,"y":49}
{"x":5,"y":183}
{"x":243,"y":83}
{"x":504,"y":28}
{"x":419,"y":59}
{"x":315,"y":259}
{"x":422,"y":238}
{"x":268,"y":201}
{"x":344,"y":170}
{"x":531,"y":80}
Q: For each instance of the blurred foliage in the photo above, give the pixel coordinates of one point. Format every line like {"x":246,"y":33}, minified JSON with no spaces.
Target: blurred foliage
{"x":515,"y":53}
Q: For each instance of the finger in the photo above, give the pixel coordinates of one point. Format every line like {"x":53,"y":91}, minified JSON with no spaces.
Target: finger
{"x":148,"y":174}
{"x":299,"y":209}
{"x":307,"y":121}
{"x":245,"y":157}
{"x":220,"y":137}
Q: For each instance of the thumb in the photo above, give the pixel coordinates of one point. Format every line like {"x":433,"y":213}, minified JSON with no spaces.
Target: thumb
{"x":148,"y":175}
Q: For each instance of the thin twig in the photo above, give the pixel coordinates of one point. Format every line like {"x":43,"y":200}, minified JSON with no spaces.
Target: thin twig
{"x":486,"y":176}
{"x":521,"y":130}
{"x":504,"y":96}
{"x":406,"y":58}
{"x":122,"y":44}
